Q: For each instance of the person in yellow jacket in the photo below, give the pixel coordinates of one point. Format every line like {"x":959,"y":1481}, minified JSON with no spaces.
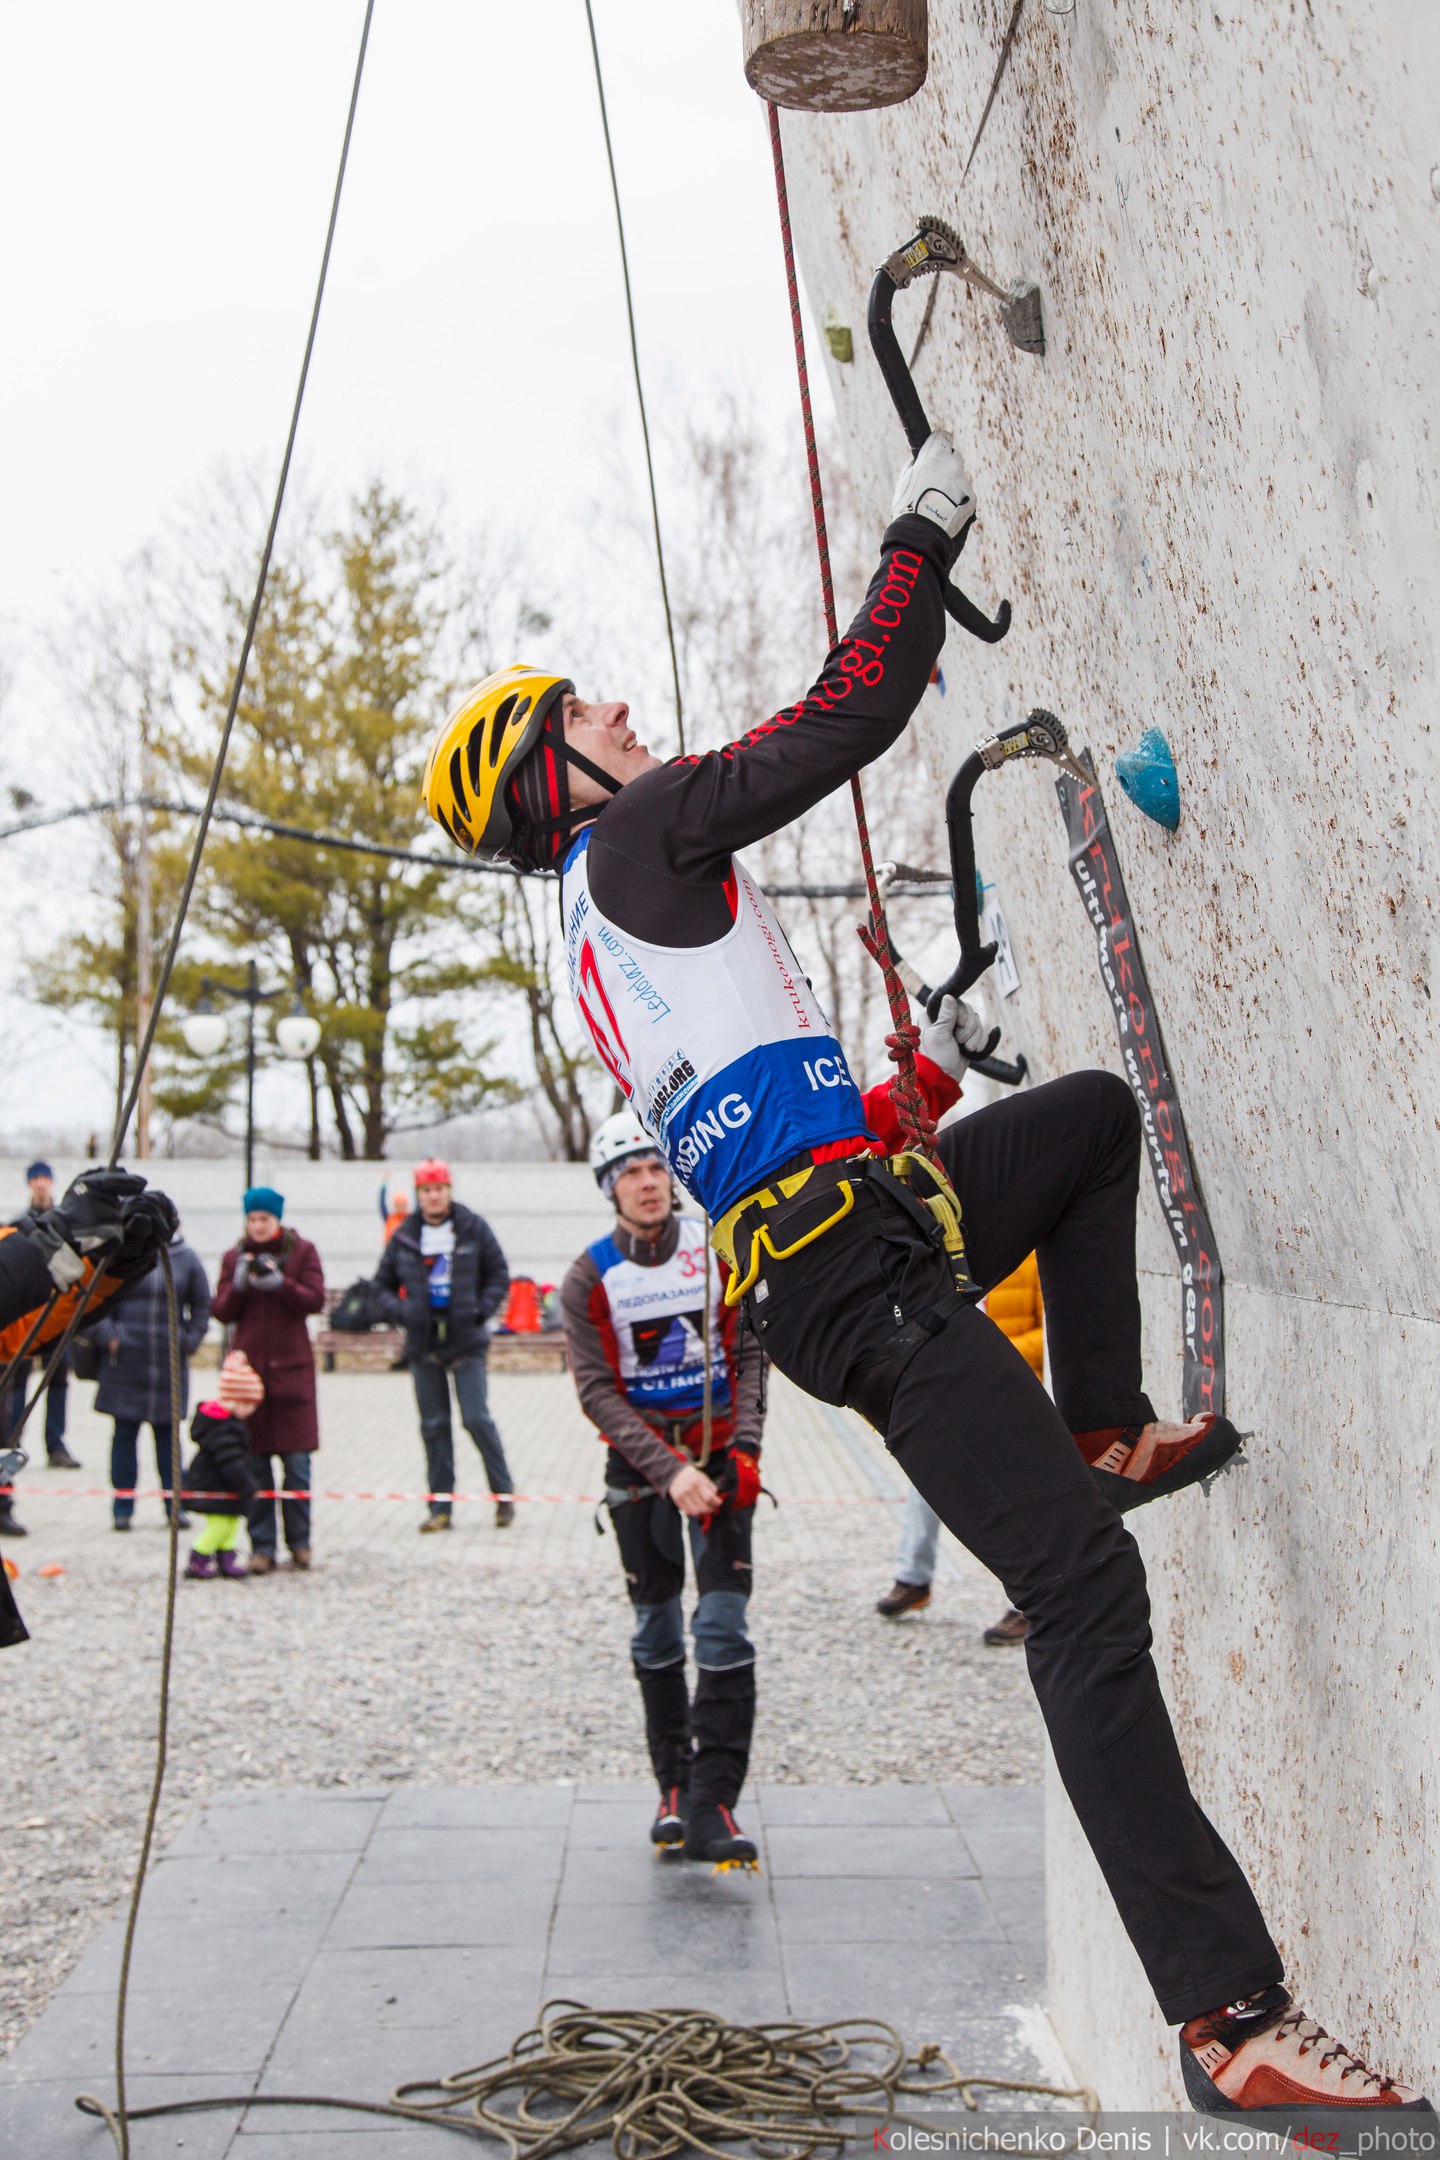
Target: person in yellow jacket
{"x":1015,"y":1306}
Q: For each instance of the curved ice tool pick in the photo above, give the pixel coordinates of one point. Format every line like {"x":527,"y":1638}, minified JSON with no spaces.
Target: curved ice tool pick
{"x":935,"y":246}
{"x":1039,"y":735}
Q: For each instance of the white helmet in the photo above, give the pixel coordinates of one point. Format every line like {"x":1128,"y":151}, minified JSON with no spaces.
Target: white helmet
{"x":616,"y":1142}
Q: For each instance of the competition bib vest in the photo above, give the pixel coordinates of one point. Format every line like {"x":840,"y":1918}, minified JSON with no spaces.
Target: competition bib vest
{"x":721,"y":1050}
{"x":658,"y":1314}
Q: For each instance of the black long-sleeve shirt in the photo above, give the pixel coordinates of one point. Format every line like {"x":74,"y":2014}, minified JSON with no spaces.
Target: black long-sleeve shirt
{"x":661,"y":850}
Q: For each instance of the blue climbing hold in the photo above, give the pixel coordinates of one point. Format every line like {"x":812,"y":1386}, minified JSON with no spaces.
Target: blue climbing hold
{"x":1147,"y":774}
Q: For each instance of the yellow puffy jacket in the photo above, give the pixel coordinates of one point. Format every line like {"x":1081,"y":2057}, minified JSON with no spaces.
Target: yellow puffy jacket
{"x":1015,"y":1306}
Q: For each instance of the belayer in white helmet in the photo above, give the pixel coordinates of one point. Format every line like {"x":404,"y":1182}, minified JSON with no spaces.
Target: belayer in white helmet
{"x":620,"y":1140}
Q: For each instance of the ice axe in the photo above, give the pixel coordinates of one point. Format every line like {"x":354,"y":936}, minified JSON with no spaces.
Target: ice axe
{"x":1039,"y":735}
{"x":933,"y":247}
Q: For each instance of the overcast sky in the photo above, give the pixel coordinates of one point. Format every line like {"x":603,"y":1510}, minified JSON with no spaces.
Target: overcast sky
{"x":166,"y":173}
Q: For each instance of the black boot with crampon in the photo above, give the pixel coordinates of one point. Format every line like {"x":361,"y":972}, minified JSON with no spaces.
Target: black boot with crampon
{"x":712,"y":1833}
{"x":667,"y":1832}
{"x":722,"y":1717}
{"x":667,"y":1729}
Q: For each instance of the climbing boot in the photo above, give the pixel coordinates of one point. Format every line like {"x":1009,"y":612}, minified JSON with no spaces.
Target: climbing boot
{"x":712,"y":1833}
{"x":722,"y":1718}
{"x":668,"y":1829}
{"x":1130,"y":1469}
{"x":903,"y":1597}
{"x":667,"y":1723}
{"x":1263,"y":2059}
{"x":200,"y":1567}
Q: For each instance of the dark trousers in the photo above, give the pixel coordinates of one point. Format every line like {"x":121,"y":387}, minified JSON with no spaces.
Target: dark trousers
{"x":1055,"y":1170}
{"x":296,"y":1513}
{"x":125,"y":1462}
{"x":55,"y":1404}
{"x":705,"y":1744}
{"x":432,"y":1397}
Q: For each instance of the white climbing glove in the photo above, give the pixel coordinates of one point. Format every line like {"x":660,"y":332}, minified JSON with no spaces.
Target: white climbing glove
{"x":935,"y":485}
{"x":954,"y":1036}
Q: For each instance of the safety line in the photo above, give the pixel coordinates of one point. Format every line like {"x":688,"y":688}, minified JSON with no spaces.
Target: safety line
{"x":639,"y":385}
{"x":1001,"y":64}
{"x":127,"y":1111}
{"x":916,"y":1123}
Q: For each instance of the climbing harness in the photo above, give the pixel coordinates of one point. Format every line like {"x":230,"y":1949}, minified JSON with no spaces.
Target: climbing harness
{"x":914,"y":1183}
{"x":1095,"y":867}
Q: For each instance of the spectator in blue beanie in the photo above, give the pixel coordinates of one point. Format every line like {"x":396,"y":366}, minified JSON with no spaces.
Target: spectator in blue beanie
{"x":269,"y":1285}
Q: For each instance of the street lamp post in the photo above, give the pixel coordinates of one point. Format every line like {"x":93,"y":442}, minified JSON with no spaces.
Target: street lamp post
{"x":296,"y":1033}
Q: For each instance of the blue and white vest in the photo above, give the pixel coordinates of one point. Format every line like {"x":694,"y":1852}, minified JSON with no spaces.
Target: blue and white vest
{"x":721,"y":1050}
{"x":658,"y":1314}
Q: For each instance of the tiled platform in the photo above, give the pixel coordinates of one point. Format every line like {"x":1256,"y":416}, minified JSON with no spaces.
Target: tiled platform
{"x":318,"y":1943}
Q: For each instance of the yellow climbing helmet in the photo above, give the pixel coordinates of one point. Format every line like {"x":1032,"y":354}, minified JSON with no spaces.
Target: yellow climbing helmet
{"x":479,"y":750}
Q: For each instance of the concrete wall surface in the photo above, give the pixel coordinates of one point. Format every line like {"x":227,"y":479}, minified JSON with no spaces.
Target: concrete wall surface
{"x":1213,"y":505}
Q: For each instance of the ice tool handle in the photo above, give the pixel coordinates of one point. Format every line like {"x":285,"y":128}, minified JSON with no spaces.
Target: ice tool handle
{"x":1039,"y":735}
{"x":934,"y":246}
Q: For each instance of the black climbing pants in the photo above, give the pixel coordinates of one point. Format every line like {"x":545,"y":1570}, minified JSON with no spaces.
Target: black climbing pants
{"x":1055,"y":1170}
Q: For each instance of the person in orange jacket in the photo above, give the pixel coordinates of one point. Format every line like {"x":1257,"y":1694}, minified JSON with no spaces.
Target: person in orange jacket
{"x":1016,"y":1307}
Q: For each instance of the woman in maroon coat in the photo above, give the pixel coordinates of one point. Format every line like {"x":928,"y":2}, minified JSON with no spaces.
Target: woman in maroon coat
{"x":269,"y":1283}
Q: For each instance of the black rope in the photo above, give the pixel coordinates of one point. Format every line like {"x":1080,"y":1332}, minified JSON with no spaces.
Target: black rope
{"x":1000,"y":66}
{"x":639,"y":385}
{"x":127,"y":1111}
{"x":117,"y":2119}
{"x":909,"y":885}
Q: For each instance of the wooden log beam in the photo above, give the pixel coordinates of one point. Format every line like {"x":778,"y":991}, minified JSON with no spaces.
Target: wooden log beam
{"x":835,"y":55}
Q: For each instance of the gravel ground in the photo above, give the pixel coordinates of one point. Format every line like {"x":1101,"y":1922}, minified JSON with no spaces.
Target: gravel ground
{"x":438,"y":1677}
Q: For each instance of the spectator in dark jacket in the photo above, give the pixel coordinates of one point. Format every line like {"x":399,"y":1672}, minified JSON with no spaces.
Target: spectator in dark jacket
{"x":224,"y":1474}
{"x":41,"y":1180}
{"x":447,"y":1262}
{"x":133,"y":1340}
{"x":269,"y":1284}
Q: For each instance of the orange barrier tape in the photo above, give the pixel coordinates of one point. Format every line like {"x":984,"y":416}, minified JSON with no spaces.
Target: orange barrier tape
{"x":31,"y":1493}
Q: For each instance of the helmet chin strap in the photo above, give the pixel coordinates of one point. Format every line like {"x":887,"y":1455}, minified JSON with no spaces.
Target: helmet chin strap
{"x":576,"y":757}
{"x":569,"y":819}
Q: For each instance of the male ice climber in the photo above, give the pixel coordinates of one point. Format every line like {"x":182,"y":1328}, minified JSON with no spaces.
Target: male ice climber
{"x":699,"y":1012}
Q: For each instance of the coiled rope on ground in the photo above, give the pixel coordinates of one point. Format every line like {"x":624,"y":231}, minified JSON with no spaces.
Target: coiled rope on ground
{"x":660,"y":2082}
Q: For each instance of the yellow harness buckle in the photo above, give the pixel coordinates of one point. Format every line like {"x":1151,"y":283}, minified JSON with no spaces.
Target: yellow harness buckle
{"x":739,"y":1285}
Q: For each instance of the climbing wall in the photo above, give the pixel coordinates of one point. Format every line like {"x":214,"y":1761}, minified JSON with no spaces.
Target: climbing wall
{"x":1213,"y":505}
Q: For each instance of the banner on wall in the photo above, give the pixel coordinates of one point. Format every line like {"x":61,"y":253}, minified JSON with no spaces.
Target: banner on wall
{"x":1095,"y":868}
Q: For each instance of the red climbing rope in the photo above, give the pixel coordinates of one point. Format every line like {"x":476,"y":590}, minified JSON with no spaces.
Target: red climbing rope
{"x":910,"y":1106}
